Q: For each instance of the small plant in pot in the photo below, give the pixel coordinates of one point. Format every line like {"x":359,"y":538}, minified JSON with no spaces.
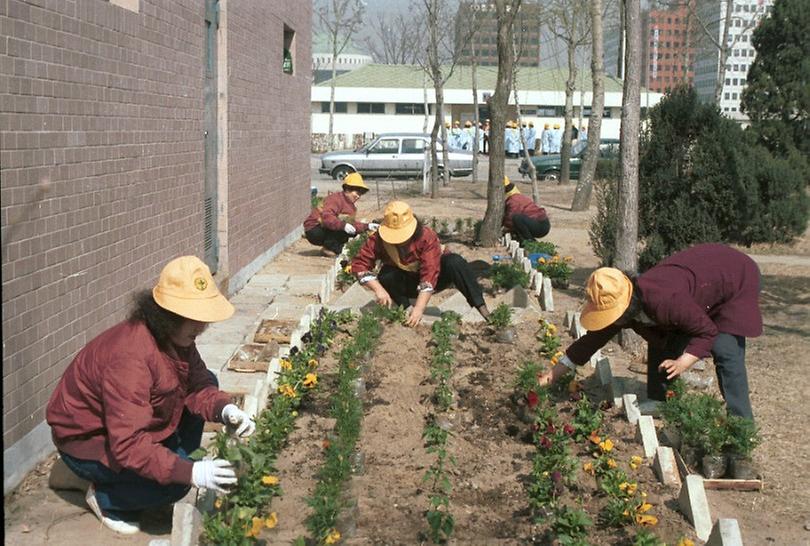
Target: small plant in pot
{"x":500,"y":320}
{"x":557,"y":269}
{"x":743,"y":439}
{"x":508,"y":275}
{"x":714,"y":441}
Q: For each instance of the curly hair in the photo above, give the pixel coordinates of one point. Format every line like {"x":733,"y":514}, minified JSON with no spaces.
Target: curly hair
{"x":161,"y":322}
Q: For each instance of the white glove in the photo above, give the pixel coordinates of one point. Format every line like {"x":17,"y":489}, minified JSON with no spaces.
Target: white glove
{"x":231,"y":414}
{"x":215,"y":475}
{"x":373,"y":226}
{"x":350,"y":229}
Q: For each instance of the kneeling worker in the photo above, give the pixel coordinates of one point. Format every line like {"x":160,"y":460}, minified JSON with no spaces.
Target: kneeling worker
{"x":522,"y":218}
{"x":130,"y":408}
{"x":331,"y":224}
{"x":414,"y":265}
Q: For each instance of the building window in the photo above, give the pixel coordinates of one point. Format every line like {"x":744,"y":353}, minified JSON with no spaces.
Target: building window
{"x":736,"y":67}
{"x":370,"y":108}
{"x":410,"y":108}
{"x":340,"y":107}
{"x":734,"y":96}
{"x":728,"y":81}
{"x":288,"y":51}
{"x":726,"y":96}
{"x":528,"y":111}
{"x":735,"y":81}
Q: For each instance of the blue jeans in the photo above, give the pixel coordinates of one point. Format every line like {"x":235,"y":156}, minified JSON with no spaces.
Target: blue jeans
{"x":121,"y":495}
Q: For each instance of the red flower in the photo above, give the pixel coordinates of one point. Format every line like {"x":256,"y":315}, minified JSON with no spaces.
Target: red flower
{"x":568,"y":429}
{"x":670,"y":394}
{"x":550,"y":428}
{"x":532,"y":399}
{"x":545,"y":442}
{"x":576,"y":397}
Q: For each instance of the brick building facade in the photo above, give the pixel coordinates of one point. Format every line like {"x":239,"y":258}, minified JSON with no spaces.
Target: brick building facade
{"x":134,"y":131}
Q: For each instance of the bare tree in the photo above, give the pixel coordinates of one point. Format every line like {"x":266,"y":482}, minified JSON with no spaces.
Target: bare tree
{"x":570,"y":24}
{"x":506,"y":11}
{"x":340,"y":20}
{"x":526,"y":158}
{"x":627,"y":231}
{"x":395,"y":39}
{"x":582,"y":195}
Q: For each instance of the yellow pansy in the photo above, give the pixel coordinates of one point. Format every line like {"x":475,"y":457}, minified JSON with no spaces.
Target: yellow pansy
{"x":643,"y":507}
{"x":611,"y":463}
{"x":271,"y":520}
{"x":552,"y":329}
{"x":646,"y":520}
{"x":312,"y":363}
{"x":255,"y":527}
{"x":310,"y":380}
{"x":628,"y":487}
{"x":269,"y":480}
{"x":606,"y":446}
{"x":287,"y":390}
{"x":685,"y":542}
{"x":588,"y":467}
{"x":594,"y":438}
{"x":285,"y":364}
{"x":332,"y":537}
{"x":635,"y":461}
{"x":218,"y":503}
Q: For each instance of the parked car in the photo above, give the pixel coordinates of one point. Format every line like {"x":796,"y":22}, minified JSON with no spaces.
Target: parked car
{"x":548,"y":166}
{"x":393,"y":154}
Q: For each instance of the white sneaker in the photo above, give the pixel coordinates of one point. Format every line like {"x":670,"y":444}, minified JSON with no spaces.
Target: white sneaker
{"x":119,"y":526}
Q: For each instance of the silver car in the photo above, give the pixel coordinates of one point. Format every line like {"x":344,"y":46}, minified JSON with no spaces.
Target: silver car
{"x":393,"y":154}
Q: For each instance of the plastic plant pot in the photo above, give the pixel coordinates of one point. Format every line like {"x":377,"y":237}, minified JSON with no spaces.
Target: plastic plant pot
{"x":506,"y":335}
{"x":713,"y":466}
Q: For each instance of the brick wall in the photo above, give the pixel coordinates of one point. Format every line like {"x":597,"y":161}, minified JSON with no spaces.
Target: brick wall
{"x":101,"y":160}
{"x":268,"y":124}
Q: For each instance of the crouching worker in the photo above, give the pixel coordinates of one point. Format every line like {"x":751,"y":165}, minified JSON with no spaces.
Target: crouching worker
{"x":698,"y":302}
{"x":414,"y":265}
{"x":330,"y":225}
{"x":522,"y":218}
{"x":130,"y":408}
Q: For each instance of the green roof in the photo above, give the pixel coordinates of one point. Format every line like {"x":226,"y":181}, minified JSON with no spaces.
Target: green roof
{"x":403,"y":76}
{"x":322,"y":43}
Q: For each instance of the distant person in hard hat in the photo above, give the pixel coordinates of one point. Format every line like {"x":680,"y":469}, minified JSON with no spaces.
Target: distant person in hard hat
{"x":522,"y":217}
{"x":556,"y":139}
{"x":583,"y":133}
{"x":457,"y":140}
{"x":414,"y":265}
{"x":698,"y":302}
{"x":512,"y":139}
{"x":545,"y":139}
{"x":466,"y":137}
{"x":486,"y":137}
{"x":130,"y":408}
{"x":531,"y":139}
{"x":332,"y":223}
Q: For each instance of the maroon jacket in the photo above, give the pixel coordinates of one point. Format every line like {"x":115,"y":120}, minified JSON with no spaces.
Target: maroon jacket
{"x":521,"y":204}
{"x":425,"y":249}
{"x":333,"y":214}
{"x":121,"y":396}
{"x":700,"y":291}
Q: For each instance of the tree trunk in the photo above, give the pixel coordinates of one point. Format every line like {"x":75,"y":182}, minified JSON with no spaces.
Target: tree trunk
{"x":582,"y":196}
{"x":627,"y":232}
{"x":723,"y":53}
{"x":331,"y":141}
{"x":491,"y":226}
{"x":434,"y":165}
{"x":570,"y":87}
{"x":476,"y":121}
{"x":425,"y":101}
{"x":620,"y":53}
{"x":526,"y":157}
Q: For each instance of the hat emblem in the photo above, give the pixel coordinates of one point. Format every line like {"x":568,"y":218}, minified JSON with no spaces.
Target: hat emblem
{"x":200,"y":284}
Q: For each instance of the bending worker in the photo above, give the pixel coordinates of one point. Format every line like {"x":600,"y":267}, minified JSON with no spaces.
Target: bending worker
{"x":130,"y":408}
{"x":332,"y":224}
{"x":698,"y":302}
{"x":522,"y":218}
{"x":414,"y":265}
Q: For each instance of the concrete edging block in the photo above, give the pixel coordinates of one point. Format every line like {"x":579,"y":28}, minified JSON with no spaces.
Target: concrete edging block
{"x":645,"y":433}
{"x":665,"y":467}
{"x":695,"y":506}
{"x":186,"y":524}
{"x":726,"y":532}
{"x":630,"y":402}
{"x":547,"y":300}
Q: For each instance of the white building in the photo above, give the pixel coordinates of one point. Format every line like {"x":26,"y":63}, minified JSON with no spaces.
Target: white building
{"x":386,"y":98}
{"x":351,"y":58}
{"x":745,"y":16}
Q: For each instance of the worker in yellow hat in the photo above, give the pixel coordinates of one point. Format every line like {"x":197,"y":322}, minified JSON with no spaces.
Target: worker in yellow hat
{"x":522,"y":217}
{"x":545,"y":139}
{"x":332,"y":223}
{"x":556,"y":139}
{"x":130,"y":409}
{"x":414,"y":265}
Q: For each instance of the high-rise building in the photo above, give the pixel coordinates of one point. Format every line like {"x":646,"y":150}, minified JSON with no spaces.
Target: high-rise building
{"x":477,"y":33}
{"x":743,"y":19}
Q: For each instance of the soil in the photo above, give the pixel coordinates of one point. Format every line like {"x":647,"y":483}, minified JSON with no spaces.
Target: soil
{"x":488,"y":498}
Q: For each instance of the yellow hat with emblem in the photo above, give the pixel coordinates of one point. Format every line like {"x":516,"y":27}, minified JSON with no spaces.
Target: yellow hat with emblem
{"x":186,"y":288}
{"x":399,"y":223}
{"x":354,"y":180}
{"x":509,"y":188}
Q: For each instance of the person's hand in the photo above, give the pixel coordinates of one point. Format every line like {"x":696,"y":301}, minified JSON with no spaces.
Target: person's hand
{"x":232,"y":415}
{"x":415,"y":316}
{"x":350,"y":229}
{"x":216,"y":475}
{"x":674,"y":368}
{"x":544,"y":379}
{"x":373,"y":226}
{"x":383,"y":297}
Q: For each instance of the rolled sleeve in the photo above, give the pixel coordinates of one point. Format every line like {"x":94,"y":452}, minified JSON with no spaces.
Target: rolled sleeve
{"x":365,"y":259}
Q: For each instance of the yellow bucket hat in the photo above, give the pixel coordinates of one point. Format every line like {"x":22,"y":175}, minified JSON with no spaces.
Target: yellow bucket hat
{"x":513,"y":191}
{"x":399,"y":223}
{"x":186,"y":288}
{"x":354,"y":180}
{"x":609,"y":292}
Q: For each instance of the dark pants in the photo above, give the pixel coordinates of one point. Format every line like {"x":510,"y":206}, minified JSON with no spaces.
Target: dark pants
{"x":455,"y":271}
{"x":729,"y":360}
{"x":486,"y":144}
{"x":528,"y":229}
{"x":333,"y":240}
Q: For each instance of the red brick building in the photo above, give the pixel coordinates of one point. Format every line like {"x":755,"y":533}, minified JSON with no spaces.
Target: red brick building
{"x":669,"y":48}
{"x":135,"y":131}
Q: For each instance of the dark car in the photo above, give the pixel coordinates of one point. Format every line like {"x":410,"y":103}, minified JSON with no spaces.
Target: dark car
{"x":548,"y":166}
